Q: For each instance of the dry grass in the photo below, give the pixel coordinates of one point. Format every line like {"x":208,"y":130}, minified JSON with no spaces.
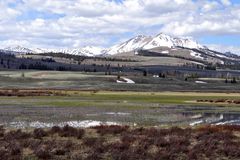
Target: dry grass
{"x":121,"y":142}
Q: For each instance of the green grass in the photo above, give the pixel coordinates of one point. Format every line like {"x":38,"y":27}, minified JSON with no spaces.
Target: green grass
{"x":116,"y":99}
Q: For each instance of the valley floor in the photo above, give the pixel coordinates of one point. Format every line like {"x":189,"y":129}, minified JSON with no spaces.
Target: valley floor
{"x":74,"y":115}
{"x":99,"y":81}
{"x":46,"y":108}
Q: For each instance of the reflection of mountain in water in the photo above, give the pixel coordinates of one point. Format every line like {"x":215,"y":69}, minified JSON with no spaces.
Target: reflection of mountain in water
{"x":214,"y":118}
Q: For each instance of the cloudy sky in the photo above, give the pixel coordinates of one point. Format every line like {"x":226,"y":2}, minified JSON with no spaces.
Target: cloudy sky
{"x":77,"y":23}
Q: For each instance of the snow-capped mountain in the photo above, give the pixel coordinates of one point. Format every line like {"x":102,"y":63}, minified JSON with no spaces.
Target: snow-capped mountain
{"x":163,"y":40}
{"x":130,"y":45}
{"x":92,"y":51}
{"x":86,"y":51}
{"x":147,"y":42}
{"x":18,"y":49}
{"x":135,"y":44}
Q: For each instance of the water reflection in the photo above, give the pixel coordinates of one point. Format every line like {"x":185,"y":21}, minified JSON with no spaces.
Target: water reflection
{"x":214,"y":118}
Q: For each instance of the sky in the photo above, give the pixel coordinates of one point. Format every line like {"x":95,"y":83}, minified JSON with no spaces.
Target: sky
{"x":79,"y":23}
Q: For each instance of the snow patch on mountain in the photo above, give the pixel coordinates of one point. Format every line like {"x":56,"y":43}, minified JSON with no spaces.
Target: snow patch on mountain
{"x":86,"y":51}
{"x":130,"y":45}
{"x":92,"y":51}
{"x":165,"y":52}
{"x":196,"y":55}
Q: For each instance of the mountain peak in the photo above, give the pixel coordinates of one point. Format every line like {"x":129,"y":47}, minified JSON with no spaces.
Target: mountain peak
{"x":163,"y":35}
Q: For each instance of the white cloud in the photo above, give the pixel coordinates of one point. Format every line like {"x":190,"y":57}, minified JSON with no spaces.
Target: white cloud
{"x":209,"y":6}
{"x":225,"y":48}
{"x":14,"y":43}
{"x":226,"y":2}
{"x":6,"y":13}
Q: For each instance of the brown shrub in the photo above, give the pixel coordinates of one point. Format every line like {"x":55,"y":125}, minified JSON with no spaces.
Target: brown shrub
{"x":15,"y":149}
{"x":90,"y":141}
{"x":230,"y":149}
{"x":161,"y":142}
{"x":4,"y":153}
{"x":163,"y":155}
{"x":118,"y":146}
{"x":38,"y":133}
{"x":126,"y":138}
{"x":60,"y":151}
{"x":220,"y":100}
{"x":67,"y":144}
{"x":43,"y":152}
{"x":229,"y":127}
{"x":68,"y":131}
{"x":80,"y":133}
{"x":33,"y":143}
{"x":2,"y":131}
{"x":112,"y":129}
{"x":18,"y":134}
{"x":94,"y":156}
{"x":55,"y":129}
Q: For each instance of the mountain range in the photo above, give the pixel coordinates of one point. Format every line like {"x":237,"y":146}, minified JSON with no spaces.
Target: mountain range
{"x":136,"y":44}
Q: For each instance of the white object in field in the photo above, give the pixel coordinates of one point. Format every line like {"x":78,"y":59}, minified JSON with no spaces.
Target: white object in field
{"x":126,"y":80}
{"x":165,"y":52}
{"x":196,"y":123}
{"x":200,"y":82}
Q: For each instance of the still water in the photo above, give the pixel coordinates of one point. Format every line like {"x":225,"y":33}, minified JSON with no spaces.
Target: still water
{"x":171,"y":115}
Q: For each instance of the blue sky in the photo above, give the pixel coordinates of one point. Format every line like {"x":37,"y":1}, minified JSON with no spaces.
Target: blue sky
{"x":77,"y":23}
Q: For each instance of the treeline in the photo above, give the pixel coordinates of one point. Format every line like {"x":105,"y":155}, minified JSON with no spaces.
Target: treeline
{"x":80,"y":58}
{"x":9,"y":61}
{"x":41,"y":66}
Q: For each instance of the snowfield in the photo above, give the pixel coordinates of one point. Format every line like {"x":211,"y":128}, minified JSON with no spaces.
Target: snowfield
{"x":126,"y":80}
{"x":77,"y":124}
{"x":196,"y":55}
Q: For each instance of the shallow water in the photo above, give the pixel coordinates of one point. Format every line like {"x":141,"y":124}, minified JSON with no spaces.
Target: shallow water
{"x":32,"y":117}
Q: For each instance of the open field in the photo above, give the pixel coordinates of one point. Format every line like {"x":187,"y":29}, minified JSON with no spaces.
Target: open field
{"x":102,"y":82}
{"x":121,"y":143}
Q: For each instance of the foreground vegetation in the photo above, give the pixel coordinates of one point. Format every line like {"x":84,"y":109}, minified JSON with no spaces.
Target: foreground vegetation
{"x":121,"y":142}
